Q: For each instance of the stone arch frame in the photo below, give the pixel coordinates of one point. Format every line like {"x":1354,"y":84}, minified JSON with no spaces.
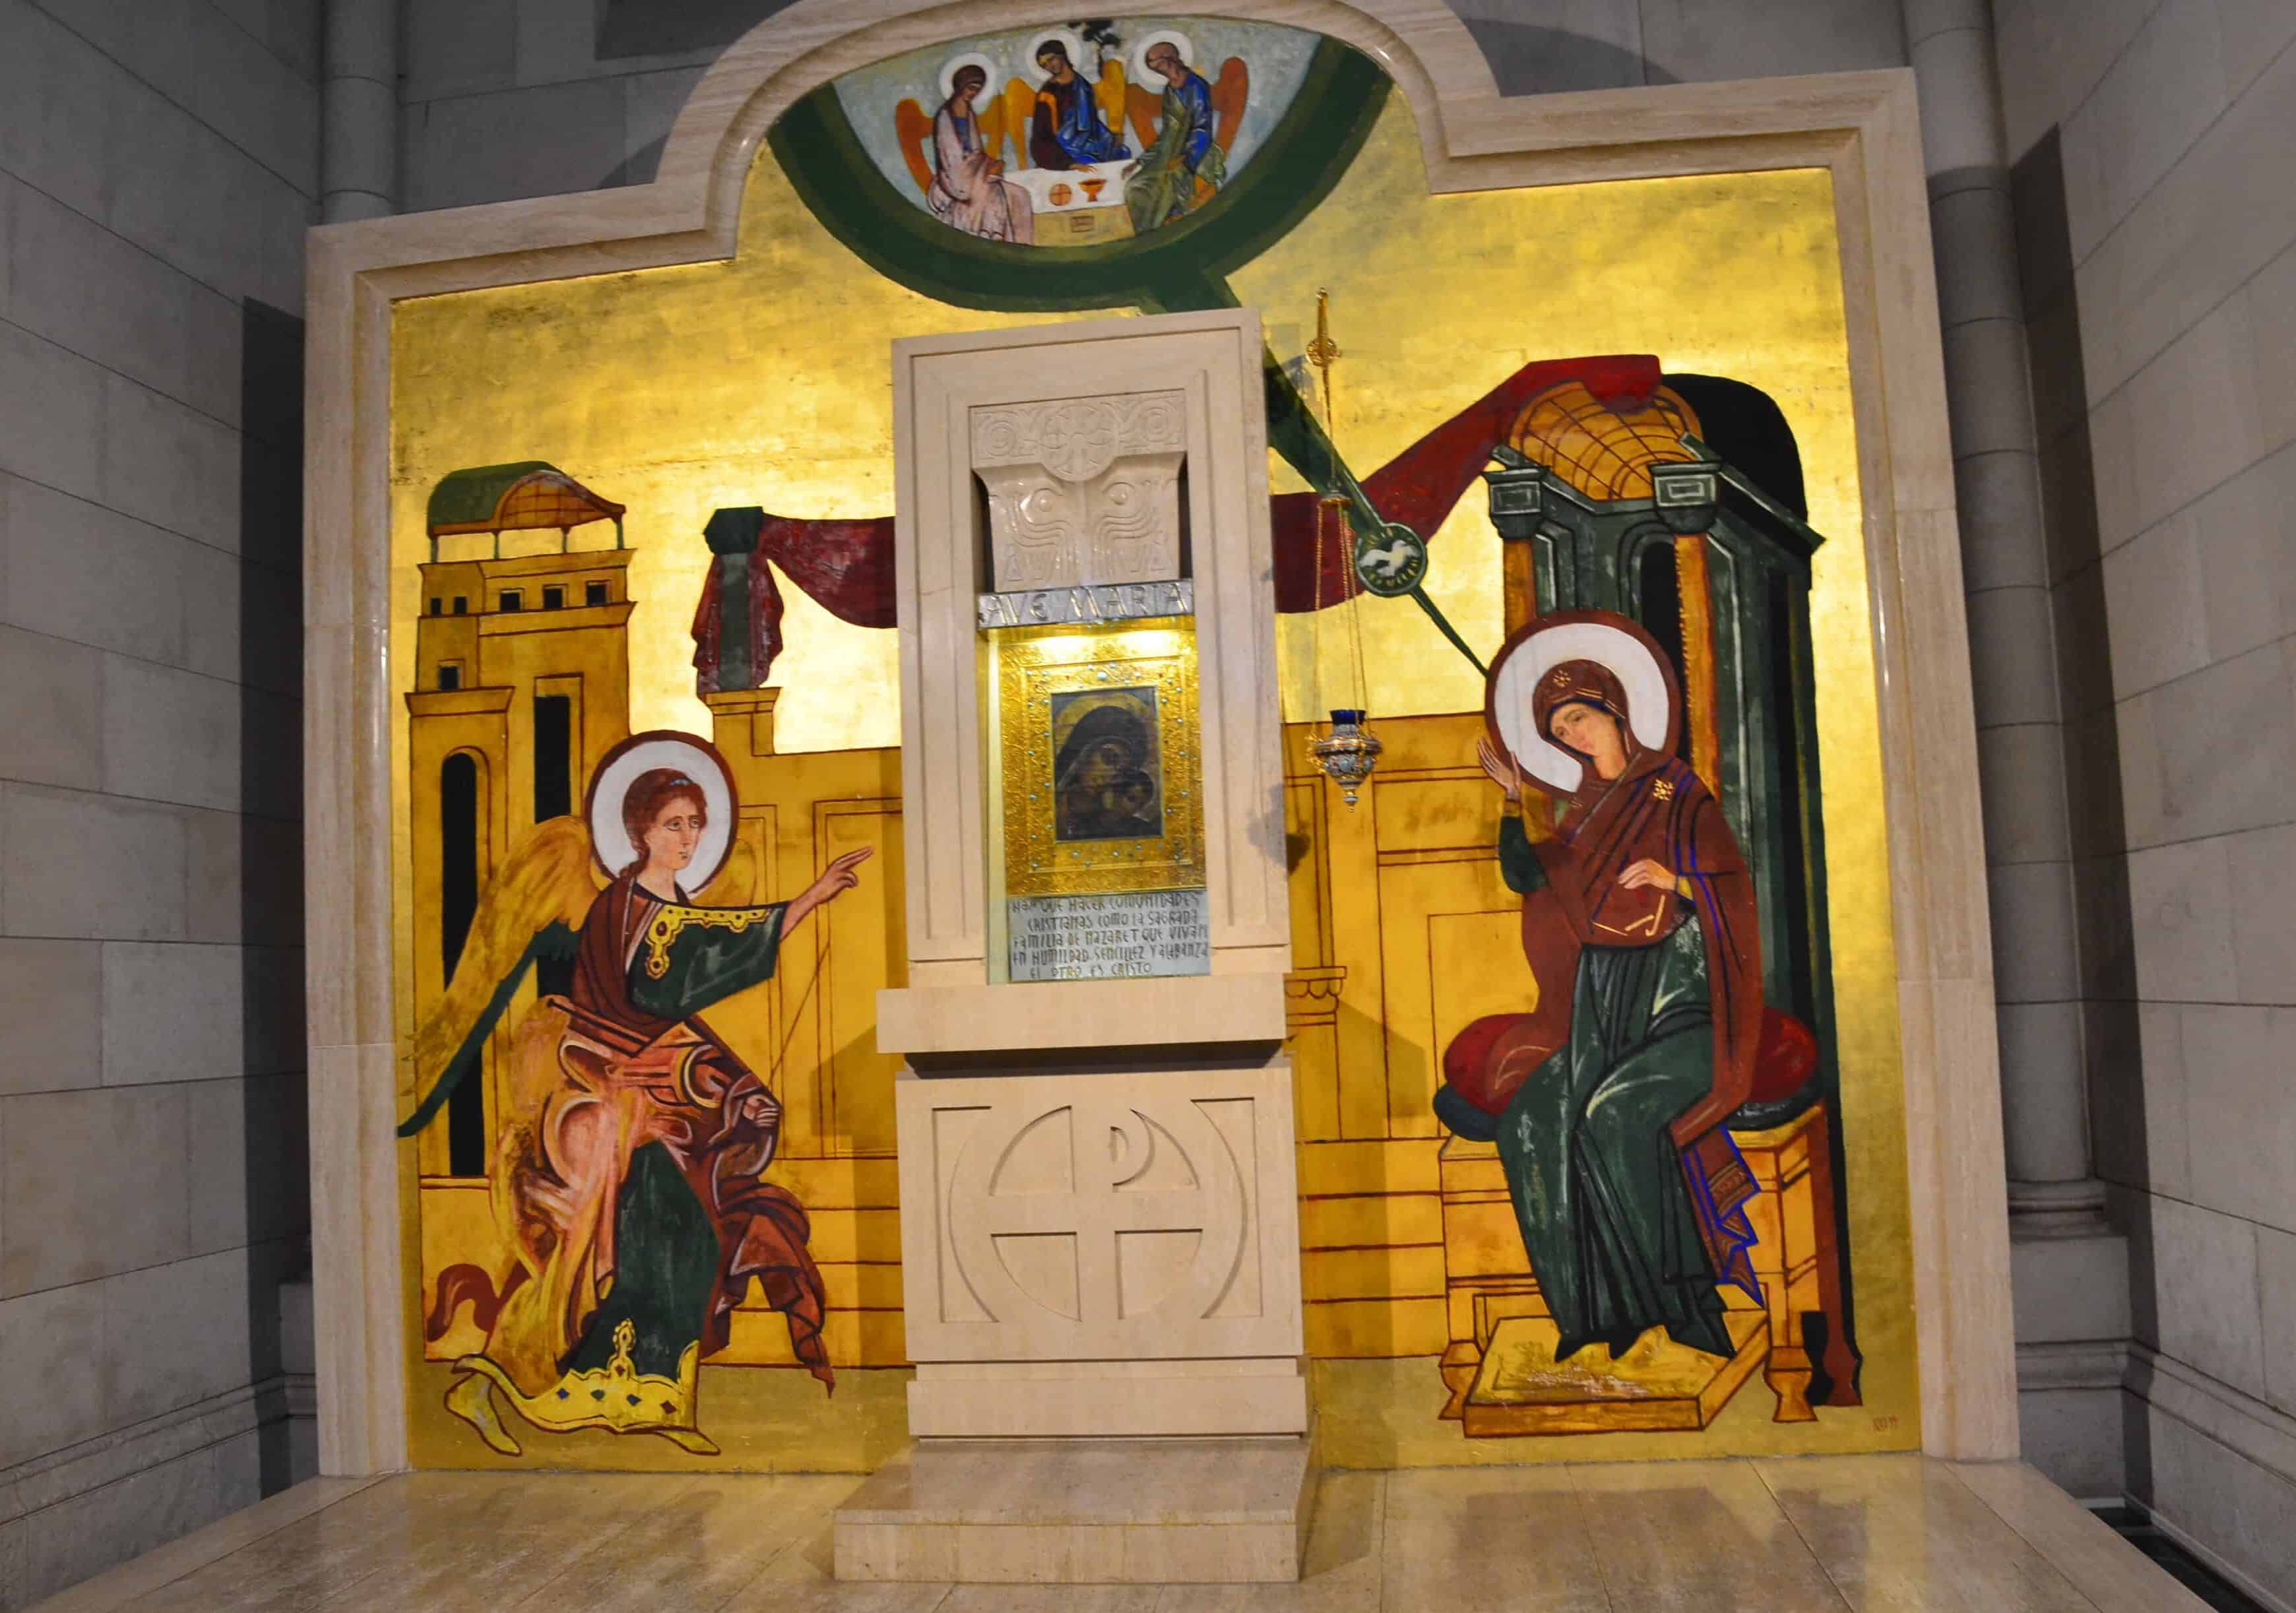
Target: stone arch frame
{"x":1862,"y":127}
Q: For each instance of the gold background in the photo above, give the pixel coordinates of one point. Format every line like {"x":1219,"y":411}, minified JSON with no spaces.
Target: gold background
{"x":765,"y":380}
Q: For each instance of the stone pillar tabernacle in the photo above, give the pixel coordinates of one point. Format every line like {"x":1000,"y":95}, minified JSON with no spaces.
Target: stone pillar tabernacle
{"x":1099,"y":1243}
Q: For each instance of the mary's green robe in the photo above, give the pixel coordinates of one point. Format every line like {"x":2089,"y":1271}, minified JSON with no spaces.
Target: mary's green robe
{"x":1607,"y":1105}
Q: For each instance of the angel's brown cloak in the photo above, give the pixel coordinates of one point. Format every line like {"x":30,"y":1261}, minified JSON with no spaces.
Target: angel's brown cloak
{"x":631,"y":1178}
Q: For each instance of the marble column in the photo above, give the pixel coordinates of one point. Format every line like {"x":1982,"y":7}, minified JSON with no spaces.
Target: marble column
{"x":2069,"y":1269}
{"x":359,"y":101}
{"x":2005,"y":564}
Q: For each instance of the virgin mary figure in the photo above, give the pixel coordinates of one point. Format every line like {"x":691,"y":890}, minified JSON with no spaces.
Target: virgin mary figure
{"x":628,"y":1175}
{"x":1639,"y":924}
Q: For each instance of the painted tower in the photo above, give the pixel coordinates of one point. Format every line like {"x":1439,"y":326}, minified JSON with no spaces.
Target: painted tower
{"x":521,"y":684}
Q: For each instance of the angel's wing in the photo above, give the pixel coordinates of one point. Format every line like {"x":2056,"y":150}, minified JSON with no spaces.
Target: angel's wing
{"x":533,"y":907}
{"x":1020,"y":116}
{"x":912,"y":131}
{"x":1142,"y":107}
{"x":1231,"y":94}
{"x":1109,"y":93}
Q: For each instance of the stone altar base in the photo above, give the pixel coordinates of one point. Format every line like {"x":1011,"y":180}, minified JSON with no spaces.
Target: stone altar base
{"x":1082,"y":1511}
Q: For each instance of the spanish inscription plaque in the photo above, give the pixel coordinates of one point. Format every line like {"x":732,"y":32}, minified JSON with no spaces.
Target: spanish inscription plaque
{"x":1112,"y":937}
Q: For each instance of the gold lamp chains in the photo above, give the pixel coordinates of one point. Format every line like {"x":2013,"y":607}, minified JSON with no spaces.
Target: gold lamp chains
{"x":1346,"y":750}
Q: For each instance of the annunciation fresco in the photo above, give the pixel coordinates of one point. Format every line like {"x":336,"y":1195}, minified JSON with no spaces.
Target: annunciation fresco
{"x":1591,"y":1003}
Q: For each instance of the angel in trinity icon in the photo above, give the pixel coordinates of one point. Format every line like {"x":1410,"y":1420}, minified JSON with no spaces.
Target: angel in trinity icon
{"x":628,"y":1170}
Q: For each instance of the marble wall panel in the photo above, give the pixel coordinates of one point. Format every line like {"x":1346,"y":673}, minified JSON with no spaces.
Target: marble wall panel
{"x":2276,"y":1282}
{"x":2218,"y":216}
{"x":2204,"y":1264}
{"x":64,"y":1543}
{"x":2180,"y":902}
{"x":244,"y":879}
{"x":2156,"y":606}
{"x":458,"y":47}
{"x":2052,"y":55}
{"x":2167,"y":1131}
{"x":171,"y":735}
{"x":262,"y":104}
{"x":2238,"y":1511}
{"x":178,"y":1012}
{"x":2195,"y":416}
{"x":45,"y":1336}
{"x":65,"y":95}
{"x":651,"y":103}
{"x":2242,"y":1125}
{"x":64,"y":1216}
{"x":2247,"y":554}
{"x":51,"y":414}
{"x":50,"y":729}
{"x":2074,"y":1435}
{"x":2119,"y":1062}
{"x":2253,"y":33}
{"x":2222,"y":750}
{"x":89,"y":866}
{"x":469,"y":149}
{"x":188,"y":194}
{"x":2167,"y":86}
{"x":51,"y":1015}
{"x":63,"y":562}
{"x":1538,"y":45}
{"x":175,"y":1334}
{"x":170,"y":465}
{"x":76,"y":284}
{"x":1694,"y":40}
{"x":250,"y":1161}
{"x":289,"y":29}
{"x":2261,"y":866}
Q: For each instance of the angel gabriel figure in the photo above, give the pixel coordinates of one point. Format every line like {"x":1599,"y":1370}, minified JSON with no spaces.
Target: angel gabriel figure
{"x":627,"y":1172}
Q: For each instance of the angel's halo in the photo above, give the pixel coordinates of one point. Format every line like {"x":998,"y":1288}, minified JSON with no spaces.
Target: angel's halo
{"x":689,"y":754}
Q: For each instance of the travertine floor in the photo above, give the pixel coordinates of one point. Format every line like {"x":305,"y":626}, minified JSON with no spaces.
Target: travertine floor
{"x":1869,"y":1533}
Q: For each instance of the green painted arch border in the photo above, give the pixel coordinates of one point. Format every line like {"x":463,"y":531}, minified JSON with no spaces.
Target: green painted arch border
{"x":1184,"y":264}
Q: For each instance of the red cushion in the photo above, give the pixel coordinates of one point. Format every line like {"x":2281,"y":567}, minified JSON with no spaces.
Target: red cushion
{"x":1785,"y":1058}
{"x":1487,"y":1062}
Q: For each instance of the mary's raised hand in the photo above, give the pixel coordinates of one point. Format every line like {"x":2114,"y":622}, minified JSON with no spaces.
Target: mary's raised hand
{"x":1502,"y":770}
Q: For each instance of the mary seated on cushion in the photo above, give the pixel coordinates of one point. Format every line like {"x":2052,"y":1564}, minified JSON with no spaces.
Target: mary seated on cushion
{"x":1639,"y":924}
